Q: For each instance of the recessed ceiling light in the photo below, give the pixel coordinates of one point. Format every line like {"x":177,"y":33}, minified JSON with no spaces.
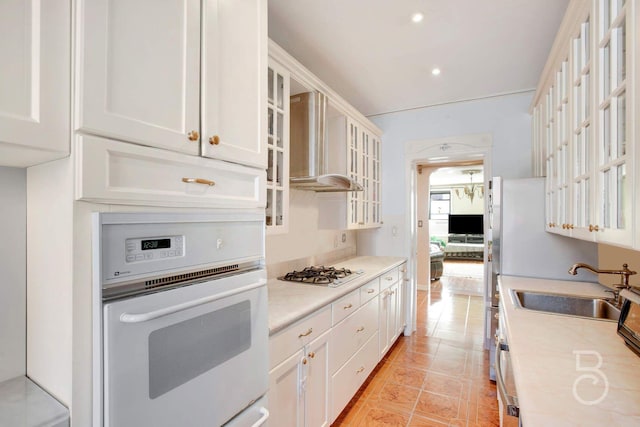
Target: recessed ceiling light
{"x":435,"y":71}
{"x":417,"y":17}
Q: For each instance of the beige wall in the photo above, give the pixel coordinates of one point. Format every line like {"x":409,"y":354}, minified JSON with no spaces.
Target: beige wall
{"x":612,"y":258}
{"x":306,"y":244}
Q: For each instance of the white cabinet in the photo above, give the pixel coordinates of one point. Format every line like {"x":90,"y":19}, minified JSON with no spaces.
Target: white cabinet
{"x":35,"y":81}
{"x":277,"y":210}
{"x":141,"y":77}
{"x":234,"y":81}
{"x":361,"y":147}
{"x":299,"y":378}
{"x":392,"y":308}
{"x":139,"y":66}
{"x":584,"y":116}
{"x":116,"y":172}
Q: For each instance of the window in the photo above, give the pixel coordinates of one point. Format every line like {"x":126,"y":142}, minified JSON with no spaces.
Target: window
{"x":439,"y":204}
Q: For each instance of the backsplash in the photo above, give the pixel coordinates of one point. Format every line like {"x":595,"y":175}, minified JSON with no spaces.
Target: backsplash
{"x":279,"y":269}
{"x":612,"y":258}
{"x":305,"y":243}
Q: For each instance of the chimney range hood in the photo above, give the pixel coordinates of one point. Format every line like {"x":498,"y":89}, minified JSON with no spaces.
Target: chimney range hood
{"x":309,"y":147}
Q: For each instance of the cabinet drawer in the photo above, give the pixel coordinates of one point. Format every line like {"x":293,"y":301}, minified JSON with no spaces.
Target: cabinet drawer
{"x":389,"y":278}
{"x":352,"y":333}
{"x":294,"y":337}
{"x":370,"y":290}
{"x":350,"y":377}
{"x":345,"y":306}
{"x":116,"y":172}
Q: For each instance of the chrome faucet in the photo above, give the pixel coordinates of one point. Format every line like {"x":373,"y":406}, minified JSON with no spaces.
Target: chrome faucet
{"x":624,"y":276}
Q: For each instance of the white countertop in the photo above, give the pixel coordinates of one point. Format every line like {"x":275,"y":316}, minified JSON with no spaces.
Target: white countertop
{"x":543,"y":353}
{"x":291,"y":301}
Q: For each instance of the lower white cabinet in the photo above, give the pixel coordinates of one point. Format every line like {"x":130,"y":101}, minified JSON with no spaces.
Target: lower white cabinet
{"x":299,"y":378}
{"x":115,"y":172}
{"x":318,"y":363}
{"x":348,"y":379}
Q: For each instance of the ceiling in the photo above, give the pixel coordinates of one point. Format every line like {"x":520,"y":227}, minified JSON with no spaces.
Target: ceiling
{"x":374,"y":56}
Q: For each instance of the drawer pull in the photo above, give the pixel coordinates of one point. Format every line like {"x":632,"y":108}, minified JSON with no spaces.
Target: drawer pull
{"x":360,"y":370}
{"x":214,"y":140}
{"x":348,"y":306}
{"x":312,"y":355}
{"x":370,"y":291}
{"x":198,"y":181}
{"x":360,"y":329}
{"x":193,"y":135}
{"x":306,"y":334}
{"x":304,"y":360}
{"x":389,"y":278}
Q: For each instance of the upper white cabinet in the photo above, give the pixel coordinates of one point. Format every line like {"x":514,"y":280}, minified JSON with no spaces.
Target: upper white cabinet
{"x":146,"y":76}
{"x":277,"y":210}
{"x":360,"y":146}
{"x":583,"y":112}
{"x":34,"y":81}
{"x":234,"y":81}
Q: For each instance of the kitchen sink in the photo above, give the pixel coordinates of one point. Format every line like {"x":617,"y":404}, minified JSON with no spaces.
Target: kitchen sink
{"x":589,"y":307}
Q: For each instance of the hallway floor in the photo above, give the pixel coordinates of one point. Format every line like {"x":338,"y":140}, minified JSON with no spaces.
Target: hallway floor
{"x":436,"y":377}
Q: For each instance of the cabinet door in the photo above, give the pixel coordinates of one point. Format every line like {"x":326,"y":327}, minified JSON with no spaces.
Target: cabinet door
{"x":615,"y":114}
{"x":234,"y":81}
{"x":140,"y":71}
{"x":277,"y":143}
{"x":34,"y":89}
{"x":285,"y":396}
{"x":383,"y":325}
{"x":316,"y":382}
{"x":393,"y":314}
{"x":354,"y":142}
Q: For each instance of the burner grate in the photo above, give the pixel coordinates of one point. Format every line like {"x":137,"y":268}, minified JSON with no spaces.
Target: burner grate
{"x":317,"y":275}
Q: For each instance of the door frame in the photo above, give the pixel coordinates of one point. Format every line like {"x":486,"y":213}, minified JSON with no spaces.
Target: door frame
{"x":433,"y":153}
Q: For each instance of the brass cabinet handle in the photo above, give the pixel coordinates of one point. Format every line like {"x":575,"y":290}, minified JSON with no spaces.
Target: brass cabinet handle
{"x":214,"y":140}
{"x":388,"y":278}
{"x":306,"y":334}
{"x":193,"y":135}
{"x":304,"y":360}
{"x":199,"y":181}
{"x":360,"y":329}
{"x":312,"y":355}
{"x":593,"y":228}
{"x":370,"y":291}
{"x":348,"y":306}
{"x":360,"y":370}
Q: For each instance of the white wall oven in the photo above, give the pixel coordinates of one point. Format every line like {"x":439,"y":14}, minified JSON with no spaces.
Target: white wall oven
{"x":180,"y":324}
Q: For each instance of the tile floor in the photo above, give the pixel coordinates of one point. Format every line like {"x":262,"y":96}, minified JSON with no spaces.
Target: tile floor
{"x":436,"y":377}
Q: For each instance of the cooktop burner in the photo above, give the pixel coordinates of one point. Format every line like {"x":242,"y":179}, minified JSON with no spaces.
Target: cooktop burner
{"x":320,"y":275}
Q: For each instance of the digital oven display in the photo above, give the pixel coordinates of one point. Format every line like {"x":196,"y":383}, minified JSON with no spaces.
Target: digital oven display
{"x":155,"y":244}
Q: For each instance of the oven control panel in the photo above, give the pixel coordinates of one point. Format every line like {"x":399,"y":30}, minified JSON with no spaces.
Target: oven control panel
{"x":153,"y":248}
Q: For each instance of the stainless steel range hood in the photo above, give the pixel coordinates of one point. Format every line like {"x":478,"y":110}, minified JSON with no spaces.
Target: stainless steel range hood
{"x":309,"y":168}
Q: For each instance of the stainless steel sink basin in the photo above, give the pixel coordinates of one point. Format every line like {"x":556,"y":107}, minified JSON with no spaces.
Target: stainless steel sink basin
{"x":590,"y":307}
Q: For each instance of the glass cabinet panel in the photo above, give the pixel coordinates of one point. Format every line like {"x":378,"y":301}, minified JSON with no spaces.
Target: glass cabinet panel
{"x":277,"y":149}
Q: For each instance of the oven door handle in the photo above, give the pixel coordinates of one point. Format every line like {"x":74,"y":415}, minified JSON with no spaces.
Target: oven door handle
{"x":510,"y":402}
{"x":145,"y":317}
{"x":265,"y":415}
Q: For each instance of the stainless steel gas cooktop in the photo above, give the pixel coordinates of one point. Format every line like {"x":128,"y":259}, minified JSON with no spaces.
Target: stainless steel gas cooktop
{"x":322,"y":276}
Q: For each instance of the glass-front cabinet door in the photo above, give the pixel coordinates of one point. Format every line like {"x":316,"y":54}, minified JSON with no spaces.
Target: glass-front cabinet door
{"x":614,"y":160}
{"x":276,"y":215}
{"x":582,"y":212}
{"x":354,"y":159}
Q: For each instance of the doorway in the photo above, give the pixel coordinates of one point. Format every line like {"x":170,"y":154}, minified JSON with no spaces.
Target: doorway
{"x":422,"y":158}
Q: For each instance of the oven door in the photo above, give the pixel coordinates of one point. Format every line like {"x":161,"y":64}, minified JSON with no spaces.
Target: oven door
{"x":195,"y":355}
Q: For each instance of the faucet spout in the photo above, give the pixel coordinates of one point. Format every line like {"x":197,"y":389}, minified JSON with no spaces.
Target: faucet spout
{"x":574,"y":268}
{"x":624,"y":273}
